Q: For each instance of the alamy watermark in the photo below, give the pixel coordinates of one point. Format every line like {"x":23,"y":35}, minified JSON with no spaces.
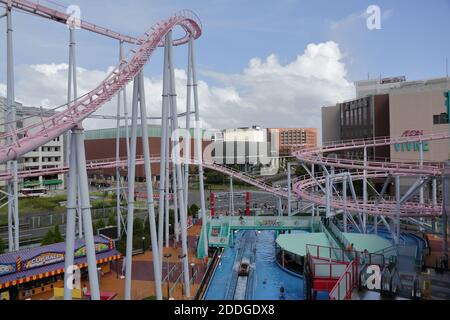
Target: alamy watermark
{"x":373,"y":282}
{"x":373,"y":21}
{"x":73,"y":280}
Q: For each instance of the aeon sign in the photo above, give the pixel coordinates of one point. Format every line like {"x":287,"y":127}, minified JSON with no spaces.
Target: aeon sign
{"x":412,"y":146}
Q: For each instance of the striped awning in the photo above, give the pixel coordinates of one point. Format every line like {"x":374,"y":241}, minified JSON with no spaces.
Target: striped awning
{"x":53,"y":270}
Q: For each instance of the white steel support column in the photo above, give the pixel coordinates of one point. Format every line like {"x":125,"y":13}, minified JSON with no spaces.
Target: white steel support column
{"x":314,"y":189}
{"x":187,"y":144}
{"x":198,"y":144}
{"x":328,"y":195}
{"x":175,"y":206}
{"x":446,"y":205}
{"x":397,"y":210}
{"x":131,"y":195}
{"x":13,"y":191}
{"x":87,"y":218}
{"x":231,"y":197}
{"x":280,"y":207}
{"x":174,"y":193}
{"x":13,"y":223}
{"x":167,"y":195}
{"x":365,"y":194}
{"x":344,"y":196}
{"x":164,"y":144}
{"x":421,"y":193}
{"x":289,"y":209}
{"x":176,"y":159}
{"x":119,"y":101}
{"x":73,"y":81}
{"x":72,"y":191}
{"x":434,"y":199}
{"x":149,"y":186}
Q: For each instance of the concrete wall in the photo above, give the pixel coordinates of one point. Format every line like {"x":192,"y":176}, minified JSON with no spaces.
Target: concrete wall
{"x":331,"y":124}
{"x":414,"y":110}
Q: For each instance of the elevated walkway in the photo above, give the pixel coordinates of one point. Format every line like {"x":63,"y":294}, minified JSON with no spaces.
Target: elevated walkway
{"x":220,"y":231}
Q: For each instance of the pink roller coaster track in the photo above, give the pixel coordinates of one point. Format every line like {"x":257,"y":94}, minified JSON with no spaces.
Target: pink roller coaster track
{"x":19,"y":142}
{"x":34,"y":136}
{"x":303,"y":186}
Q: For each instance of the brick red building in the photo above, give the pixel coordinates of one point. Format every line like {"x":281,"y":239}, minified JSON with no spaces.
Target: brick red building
{"x":101,"y":144}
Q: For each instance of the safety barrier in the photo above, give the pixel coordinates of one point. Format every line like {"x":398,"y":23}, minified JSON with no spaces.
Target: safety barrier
{"x":362,"y":257}
{"x":346,"y":283}
{"x":326,"y":253}
{"x":328,"y":270}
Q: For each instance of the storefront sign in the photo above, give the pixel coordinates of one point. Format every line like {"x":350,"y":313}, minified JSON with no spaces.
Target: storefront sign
{"x":43,"y":260}
{"x":412,"y":146}
{"x":7,"y":269}
{"x":99,"y":248}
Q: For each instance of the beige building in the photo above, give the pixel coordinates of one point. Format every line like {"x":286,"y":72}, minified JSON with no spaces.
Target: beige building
{"x":416,"y":109}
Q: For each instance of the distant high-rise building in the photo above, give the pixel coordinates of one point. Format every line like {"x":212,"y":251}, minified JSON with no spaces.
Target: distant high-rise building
{"x":291,"y":139}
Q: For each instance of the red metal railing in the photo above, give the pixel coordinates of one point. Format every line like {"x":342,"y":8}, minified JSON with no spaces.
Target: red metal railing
{"x":346,"y":283}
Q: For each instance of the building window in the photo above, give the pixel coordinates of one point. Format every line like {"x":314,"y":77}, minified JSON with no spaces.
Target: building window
{"x":440,"y":118}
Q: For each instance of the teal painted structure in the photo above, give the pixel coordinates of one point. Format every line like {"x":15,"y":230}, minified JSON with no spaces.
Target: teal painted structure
{"x":220,"y":231}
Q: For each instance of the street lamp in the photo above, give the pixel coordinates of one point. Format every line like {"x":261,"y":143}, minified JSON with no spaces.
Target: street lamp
{"x":181,"y":257}
{"x":143,"y":244}
{"x":167,"y":256}
{"x":192,"y":269}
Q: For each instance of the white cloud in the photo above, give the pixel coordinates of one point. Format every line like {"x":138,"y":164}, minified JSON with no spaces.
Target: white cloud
{"x":267,"y":92}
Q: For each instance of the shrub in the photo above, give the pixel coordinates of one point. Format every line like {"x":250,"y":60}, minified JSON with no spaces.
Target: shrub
{"x":48,"y":238}
{"x":2,"y":246}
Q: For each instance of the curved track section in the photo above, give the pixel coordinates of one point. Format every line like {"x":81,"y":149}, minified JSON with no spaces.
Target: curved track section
{"x":31,"y":137}
{"x":315,"y":155}
{"x":305,"y":187}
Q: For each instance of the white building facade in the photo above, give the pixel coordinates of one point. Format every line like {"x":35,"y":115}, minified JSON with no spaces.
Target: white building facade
{"x":48,"y":156}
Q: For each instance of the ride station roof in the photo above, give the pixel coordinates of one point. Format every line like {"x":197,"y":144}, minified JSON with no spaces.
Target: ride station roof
{"x":296,"y":243}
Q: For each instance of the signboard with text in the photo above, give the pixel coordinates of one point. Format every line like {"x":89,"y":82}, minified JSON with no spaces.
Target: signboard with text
{"x":412,"y":146}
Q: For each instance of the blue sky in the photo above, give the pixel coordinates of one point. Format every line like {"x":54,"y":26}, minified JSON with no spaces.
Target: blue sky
{"x":413,"y":41}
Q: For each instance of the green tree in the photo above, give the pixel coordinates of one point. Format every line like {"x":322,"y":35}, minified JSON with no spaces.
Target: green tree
{"x":57,"y":236}
{"x":138,"y":227}
{"x":2,"y":246}
{"x":300,"y":171}
{"x":112,"y":221}
{"x":193,"y":209}
{"x":48,"y":238}
{"x":99,"y":224}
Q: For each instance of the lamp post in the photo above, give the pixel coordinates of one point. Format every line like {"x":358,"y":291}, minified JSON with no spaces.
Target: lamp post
{"x":192,"y":270}
{"x":167,"y":256}
{"x":143,"y":244}
{"x":181,"y":257}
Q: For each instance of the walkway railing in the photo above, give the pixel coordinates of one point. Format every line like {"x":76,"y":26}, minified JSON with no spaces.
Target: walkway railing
{"x":328,"y":270}
{"x":326,"y":253}
{"x":346,"y":283}
{"x":362,"y":258}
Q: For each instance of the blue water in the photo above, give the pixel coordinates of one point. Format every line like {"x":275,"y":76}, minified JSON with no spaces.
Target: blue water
{"x":268,"y":277}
